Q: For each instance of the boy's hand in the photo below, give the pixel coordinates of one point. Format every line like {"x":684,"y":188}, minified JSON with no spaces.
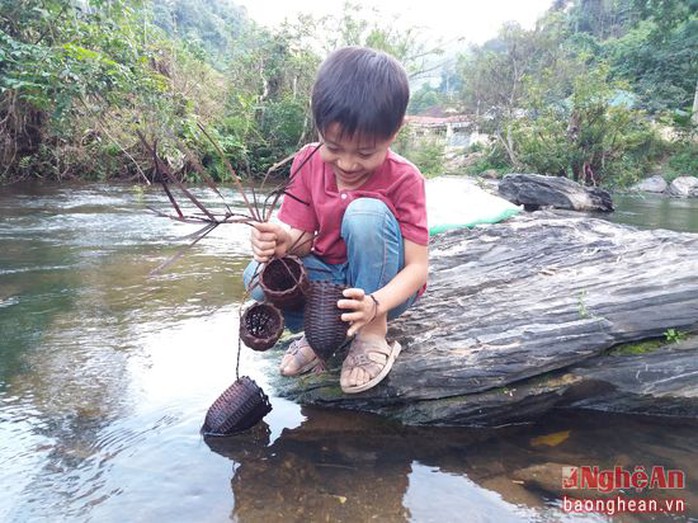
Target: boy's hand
{"x":268,"y":239}
{"x":363,"y":309}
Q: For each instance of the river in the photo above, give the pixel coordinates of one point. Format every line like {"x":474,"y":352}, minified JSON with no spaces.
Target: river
{"x":106,"y":372}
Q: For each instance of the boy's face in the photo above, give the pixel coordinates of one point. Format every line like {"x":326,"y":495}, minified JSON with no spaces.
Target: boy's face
{"x":353,"y":158}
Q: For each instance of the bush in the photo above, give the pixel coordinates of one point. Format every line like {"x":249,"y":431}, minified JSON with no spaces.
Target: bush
{"x":590,"y":137}
{"x":425,"y":151}
{"x":683,"y":160}
{"x":493,"y":158}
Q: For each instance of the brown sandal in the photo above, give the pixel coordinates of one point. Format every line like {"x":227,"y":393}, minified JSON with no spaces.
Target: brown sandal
{"x":373,"y":357}
{"x":299,"y":359}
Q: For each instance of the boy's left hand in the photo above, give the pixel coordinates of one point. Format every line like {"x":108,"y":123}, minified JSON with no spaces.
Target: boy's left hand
{"x":363,"y":309}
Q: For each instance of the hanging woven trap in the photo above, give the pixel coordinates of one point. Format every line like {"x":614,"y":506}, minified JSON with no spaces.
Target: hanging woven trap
{"x":240,"y":407}
{"x":243,"y":404}
{"x":285,"y":282}
{"x":261,"y":326}
{"x":322,"y":319}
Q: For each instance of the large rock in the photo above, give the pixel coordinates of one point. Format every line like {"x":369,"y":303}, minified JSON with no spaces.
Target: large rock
{"x":513,"y":308}
{"x":535,"y":191}
{"x":684,"y":187}
{"x":663,"y":382}
{"x":655,"y":184}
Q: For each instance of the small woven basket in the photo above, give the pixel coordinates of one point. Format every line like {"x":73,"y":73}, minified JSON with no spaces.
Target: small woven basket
{"x":241,"y":406}
{"x":285,"y":282}
{"x":261,"y":326}
{"x":322,"y":322}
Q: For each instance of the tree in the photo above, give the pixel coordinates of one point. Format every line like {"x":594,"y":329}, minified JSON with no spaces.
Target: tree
{"x":267,"y":112}
{"x":214,"y":25}
{"x":602,"y":18}
{"x":78,"y":80}
{"x":553,"y":106}
{"x":651,"y":44}
{"x":358,"y":25}
{"x":591,"y":137}
{"x":496,"y":76}
{"x":659,"y":57}
{"x":424,"y":98}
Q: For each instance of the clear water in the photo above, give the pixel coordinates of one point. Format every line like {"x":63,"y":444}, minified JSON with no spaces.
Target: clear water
{"x":655,"y":211}
{"x":106,"y":372}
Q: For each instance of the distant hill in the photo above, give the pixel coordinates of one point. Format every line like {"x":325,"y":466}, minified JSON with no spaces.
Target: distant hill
{"x":212,"y":24}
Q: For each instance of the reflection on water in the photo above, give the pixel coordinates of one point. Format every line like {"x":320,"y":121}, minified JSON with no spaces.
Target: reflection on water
{"x":106,"y":373}
{"x":348,"y":467}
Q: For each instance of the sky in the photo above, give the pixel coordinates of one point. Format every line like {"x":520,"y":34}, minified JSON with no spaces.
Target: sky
{"x":471,"y":21}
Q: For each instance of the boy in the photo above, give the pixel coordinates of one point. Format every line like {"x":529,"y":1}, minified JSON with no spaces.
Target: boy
{"x":355,"y":212}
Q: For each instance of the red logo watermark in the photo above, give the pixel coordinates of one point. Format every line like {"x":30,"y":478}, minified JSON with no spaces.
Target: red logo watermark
{"x":638,"y":480}
{"x":619,"y":478}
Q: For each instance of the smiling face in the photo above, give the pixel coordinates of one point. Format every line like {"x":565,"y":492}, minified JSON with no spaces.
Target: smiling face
{"x":353,"y":158}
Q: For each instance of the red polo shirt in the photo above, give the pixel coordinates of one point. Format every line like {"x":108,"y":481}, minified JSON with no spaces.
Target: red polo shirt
{"x":314,"y":204}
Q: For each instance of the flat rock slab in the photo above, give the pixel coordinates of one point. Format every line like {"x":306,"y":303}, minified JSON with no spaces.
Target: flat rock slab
{"x":662,"y":383}
{"x":511,"y":308}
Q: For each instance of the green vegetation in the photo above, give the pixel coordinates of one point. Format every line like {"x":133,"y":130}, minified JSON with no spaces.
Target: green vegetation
{"x":650,"y":345}
{"x":584,"y":93}
{"x":77,"y":83}
{"x":674,"y":335}
{"x":80,"y":81}
{"x":600,"y":91}
{"x":582,"y":306}
{"x":638,"y":347}
{"x":425,"y":151}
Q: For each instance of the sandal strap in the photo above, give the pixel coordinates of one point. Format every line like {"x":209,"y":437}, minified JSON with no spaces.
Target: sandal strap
{"x":295,"y":347}
{"x":301,"y":361}
{"x":369,"y":356}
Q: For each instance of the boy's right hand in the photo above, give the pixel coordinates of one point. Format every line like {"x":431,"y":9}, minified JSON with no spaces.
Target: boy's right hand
{"x":268,"y":239}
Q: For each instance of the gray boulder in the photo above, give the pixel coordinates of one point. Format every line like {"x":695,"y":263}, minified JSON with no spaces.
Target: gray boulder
{"x":654,"y":184}
{"x":684,"y":187}
{"x":535,"y":191}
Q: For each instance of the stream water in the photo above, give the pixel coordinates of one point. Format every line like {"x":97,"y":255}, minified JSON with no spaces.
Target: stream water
{"x":106,"y":372}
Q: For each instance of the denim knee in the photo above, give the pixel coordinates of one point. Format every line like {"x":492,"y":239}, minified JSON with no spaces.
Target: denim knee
{"x":375,"y":250}
{"x":364,"y":216}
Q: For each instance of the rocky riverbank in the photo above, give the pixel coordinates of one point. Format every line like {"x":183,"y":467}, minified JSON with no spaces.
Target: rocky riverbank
{"x":681,"y":187}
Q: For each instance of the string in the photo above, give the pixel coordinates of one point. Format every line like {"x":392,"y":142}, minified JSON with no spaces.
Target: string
{"x":237,"y":362}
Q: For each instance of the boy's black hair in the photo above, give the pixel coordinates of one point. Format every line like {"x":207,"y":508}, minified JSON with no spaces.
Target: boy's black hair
{"x":362,"y":90}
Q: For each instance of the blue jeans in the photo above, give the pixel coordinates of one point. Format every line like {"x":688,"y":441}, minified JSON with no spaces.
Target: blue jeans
{"x":375,"y":254}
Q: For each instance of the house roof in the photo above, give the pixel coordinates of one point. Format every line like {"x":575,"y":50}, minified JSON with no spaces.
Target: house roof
{"x":438,"y":121}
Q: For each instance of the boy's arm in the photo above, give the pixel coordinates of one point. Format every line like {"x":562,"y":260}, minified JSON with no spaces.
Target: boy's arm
{"x":360,"y":309}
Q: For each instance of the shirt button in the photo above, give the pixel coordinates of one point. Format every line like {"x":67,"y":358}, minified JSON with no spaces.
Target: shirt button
{"x":343,"y":196}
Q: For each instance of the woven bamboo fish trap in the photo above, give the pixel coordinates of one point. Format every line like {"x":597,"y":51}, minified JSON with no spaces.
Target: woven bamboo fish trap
{"x":243,"y":404}
{"x":285,"y":282}
{"x":240,"y":407}
{"x":324,"y":328}
{"x":261,"y":326}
